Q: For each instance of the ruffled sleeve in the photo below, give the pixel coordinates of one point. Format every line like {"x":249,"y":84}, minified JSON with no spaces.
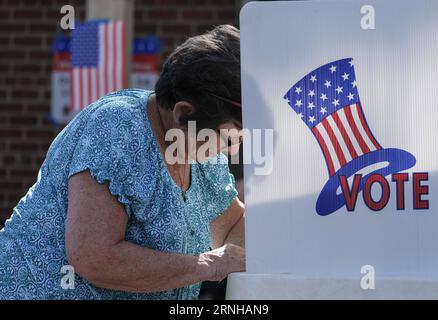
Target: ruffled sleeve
{"x":106,"y":147}
{"x":219,"y":186}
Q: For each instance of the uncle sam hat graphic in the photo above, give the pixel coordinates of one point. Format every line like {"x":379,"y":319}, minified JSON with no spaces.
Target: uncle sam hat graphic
{"x":327,"y":101}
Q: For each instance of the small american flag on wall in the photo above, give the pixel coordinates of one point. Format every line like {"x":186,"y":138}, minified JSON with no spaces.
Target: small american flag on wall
{"x":98,"y":61}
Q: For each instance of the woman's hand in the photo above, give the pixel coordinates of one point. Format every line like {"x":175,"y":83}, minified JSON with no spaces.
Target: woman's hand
{"x":223,"y":261}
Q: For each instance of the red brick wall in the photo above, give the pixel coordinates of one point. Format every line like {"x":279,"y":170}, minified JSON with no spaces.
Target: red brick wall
{"x":175,"y":20}
{"x":26,"y":32}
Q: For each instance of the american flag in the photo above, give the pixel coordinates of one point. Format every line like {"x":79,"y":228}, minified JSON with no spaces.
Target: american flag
{"x":327,"y":100}
{"x":98,"y":61}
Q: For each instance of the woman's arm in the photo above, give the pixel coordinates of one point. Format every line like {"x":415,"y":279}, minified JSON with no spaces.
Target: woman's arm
{"x":95,"y":247}
{"x":229,"y":227}
{"x":237,"y":233}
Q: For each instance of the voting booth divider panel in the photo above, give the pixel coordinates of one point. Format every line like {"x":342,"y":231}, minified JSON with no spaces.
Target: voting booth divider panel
{"x":348,"y":210}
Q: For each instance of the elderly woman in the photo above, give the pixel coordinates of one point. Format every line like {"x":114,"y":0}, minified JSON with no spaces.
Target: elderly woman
{"x":111,"y":207}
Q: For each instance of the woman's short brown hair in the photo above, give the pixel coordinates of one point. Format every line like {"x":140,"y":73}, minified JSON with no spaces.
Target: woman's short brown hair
{"x":201,"y":68}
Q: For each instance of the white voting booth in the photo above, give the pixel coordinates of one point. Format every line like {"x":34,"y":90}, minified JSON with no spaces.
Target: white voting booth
{"x":349,"y":209}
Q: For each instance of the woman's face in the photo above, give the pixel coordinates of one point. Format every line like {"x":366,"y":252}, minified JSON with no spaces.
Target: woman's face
{"x":230,"y":134}
{"x":206,"y":143}
{"x":226,"y":139}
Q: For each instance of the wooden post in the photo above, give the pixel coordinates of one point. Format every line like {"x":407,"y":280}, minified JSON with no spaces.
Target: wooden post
{"x":115,"y":9}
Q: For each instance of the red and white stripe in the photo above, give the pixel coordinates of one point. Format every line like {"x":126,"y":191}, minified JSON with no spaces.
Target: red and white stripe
{"x":343,"y":136}
{"x":91,"y":83}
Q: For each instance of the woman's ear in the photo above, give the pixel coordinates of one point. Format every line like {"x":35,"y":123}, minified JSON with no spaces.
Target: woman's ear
{"x":181,"y":110}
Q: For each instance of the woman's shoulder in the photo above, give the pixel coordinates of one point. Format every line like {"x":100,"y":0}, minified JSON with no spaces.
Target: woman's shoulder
{"x":119,"y":122}
{"x":118,"y":118}
{"x":132,"y":96}
{"x":114,"y":144}
{"x":127,"y":102}
{"x":112,"y":128}
{"x":114,"y":107}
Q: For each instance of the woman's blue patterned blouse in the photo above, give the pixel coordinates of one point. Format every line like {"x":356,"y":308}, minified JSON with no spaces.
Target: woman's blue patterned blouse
{"x":113,"y":139}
